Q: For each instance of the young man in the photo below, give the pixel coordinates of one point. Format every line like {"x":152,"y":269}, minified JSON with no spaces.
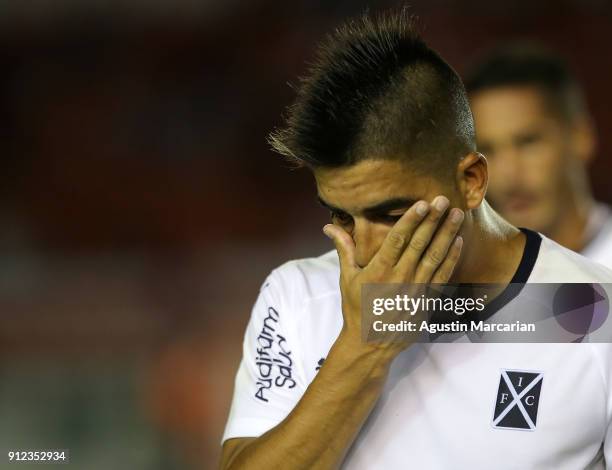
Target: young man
{"x":384,"y":124}
{"x":533,"y":126}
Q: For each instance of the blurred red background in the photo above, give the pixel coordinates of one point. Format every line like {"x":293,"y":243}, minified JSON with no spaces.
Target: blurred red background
{"x":141,"y":208}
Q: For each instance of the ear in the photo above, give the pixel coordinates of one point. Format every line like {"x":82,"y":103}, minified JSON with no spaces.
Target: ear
{"x":584,"y":138}
{"x":472,"y":179}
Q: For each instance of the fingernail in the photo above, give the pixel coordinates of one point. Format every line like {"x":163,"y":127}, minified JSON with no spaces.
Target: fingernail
{"x":440,"y":203}
{"x":456,"y":216}
{"x":421,"y":208}
{"x":326,"y":231}
{"x":459,"y":241}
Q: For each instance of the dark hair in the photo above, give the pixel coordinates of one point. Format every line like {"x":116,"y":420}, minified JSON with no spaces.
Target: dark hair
{"x":377,"y":91}
{"x":528,"y":64}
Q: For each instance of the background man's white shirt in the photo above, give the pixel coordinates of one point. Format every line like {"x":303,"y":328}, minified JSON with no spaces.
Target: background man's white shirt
{"x":599,"y":234}
{"x":437,"y":407}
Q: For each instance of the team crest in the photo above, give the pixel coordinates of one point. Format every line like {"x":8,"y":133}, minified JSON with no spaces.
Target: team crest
{"x":518,"y":397}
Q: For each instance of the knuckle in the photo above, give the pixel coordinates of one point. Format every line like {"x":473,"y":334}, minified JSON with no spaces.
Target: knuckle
{"x":417,"y":243}
{"x":396,"y":240}
{"x":434,"y":257}
{"x":453,"y":254}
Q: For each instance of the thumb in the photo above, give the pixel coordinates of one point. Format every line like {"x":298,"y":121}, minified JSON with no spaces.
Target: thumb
{"x":344,"y":246}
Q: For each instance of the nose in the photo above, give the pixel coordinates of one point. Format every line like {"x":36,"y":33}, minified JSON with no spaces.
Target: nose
{"x":368,"y":238}
{"x":507,"y":166}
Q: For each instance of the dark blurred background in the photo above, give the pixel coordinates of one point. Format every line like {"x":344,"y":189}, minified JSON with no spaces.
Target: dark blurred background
{"x":140,"y":207}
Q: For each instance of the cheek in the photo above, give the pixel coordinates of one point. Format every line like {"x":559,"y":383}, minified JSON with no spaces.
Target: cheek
{"x":379,"y":232}
{"x":542,"y":168}
{"x":369,"y":233}
{"x":368,"y":238}
{"x":497,"y":181}
{"x":547,"y":173}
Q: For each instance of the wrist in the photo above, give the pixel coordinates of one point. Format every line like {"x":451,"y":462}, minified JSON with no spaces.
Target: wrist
{"x":352,"y":350}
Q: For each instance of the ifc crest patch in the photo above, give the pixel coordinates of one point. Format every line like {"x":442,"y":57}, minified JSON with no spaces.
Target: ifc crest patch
{"x":518,"y":398}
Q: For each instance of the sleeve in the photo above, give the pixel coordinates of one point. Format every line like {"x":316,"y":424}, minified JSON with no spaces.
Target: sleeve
{"x":266,"y":387}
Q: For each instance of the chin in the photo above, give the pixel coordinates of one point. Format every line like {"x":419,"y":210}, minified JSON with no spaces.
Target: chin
{"x":531,"y":219}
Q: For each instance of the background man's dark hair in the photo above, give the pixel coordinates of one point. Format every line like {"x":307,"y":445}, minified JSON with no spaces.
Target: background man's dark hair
{"x":529,"y":64}
{"x":377,"y":91}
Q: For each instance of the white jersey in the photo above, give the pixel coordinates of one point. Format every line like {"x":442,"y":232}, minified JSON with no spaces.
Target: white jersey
{"x":444,"y":405}
{"x":599,"y":234}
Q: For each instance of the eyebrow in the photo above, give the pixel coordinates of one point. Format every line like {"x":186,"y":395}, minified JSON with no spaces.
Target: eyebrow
{"x":384,"y":206}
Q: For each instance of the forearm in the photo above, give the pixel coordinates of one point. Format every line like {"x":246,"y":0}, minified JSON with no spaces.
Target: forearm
{"x":322,"y":426}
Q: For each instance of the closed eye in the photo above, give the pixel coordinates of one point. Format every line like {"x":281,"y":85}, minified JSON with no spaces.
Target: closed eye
{"x":341,"y":218}
{"x":387,"y":218}
{"x":527,"y":139}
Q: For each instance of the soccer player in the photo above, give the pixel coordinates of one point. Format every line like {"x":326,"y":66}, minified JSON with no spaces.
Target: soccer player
{"x":533,"y":126}
{"x":384,"y":124}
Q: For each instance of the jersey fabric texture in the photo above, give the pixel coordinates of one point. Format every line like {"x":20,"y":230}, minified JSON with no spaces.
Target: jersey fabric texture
{"x":599,"y":234}
{"x":444,"y":405}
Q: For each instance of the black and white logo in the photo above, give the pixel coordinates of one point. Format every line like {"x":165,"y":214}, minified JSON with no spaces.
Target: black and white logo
{"x":518,"y":397}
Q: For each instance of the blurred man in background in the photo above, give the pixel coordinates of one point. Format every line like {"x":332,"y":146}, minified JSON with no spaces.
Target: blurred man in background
{"x":533,"y":125}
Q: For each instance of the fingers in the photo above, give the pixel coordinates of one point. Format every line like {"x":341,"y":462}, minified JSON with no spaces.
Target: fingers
{"x":416,"y":248}
{"x":395,"y":242}
{"x":421,"y":237}
{"x":437,"y":251}
{"x":446,"y":269}
{"x":344,"y":246}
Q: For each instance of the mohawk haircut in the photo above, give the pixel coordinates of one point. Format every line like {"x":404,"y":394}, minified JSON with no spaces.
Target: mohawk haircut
{"x":377,"y":91}
{"x":522,"y":64}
